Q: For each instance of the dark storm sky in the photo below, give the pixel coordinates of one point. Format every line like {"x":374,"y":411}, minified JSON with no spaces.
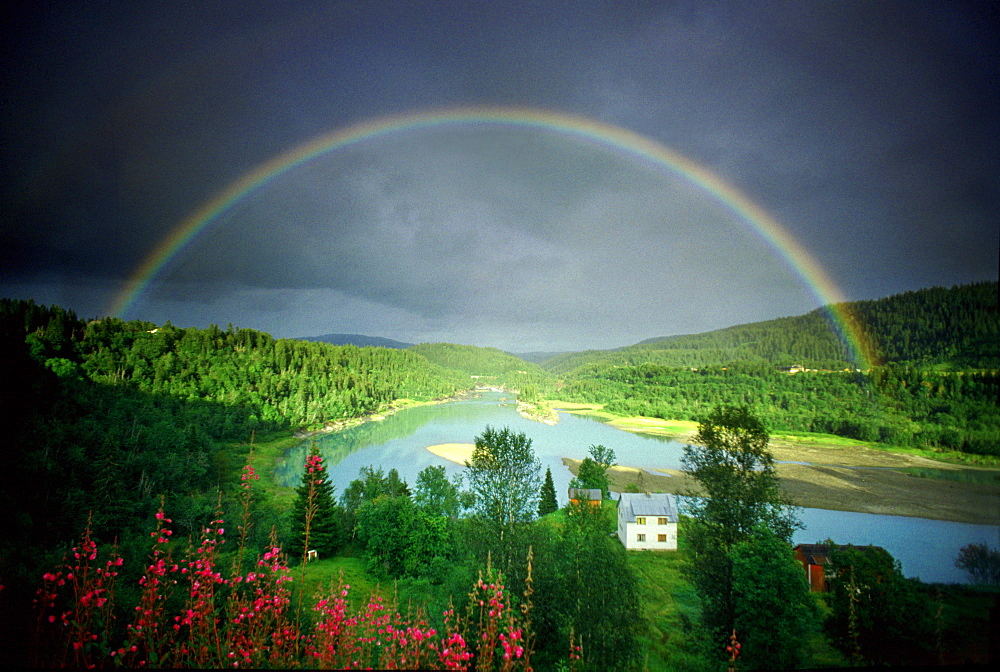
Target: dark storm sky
{"x":868,"y":130}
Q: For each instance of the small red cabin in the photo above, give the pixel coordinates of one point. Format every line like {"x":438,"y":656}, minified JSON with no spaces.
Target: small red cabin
{"x":815,"y":559}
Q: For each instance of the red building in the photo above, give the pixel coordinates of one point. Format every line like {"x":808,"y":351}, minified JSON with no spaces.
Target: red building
{"x":815,"y":559}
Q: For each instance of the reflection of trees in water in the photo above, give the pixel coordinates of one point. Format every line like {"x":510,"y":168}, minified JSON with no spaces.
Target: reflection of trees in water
{"x":337,"y":446}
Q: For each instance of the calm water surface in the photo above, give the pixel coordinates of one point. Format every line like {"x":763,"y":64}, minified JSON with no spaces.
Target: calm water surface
{"x":925,"y":548}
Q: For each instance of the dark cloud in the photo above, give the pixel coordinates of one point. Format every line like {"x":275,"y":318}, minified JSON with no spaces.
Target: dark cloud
{"x":868,"y":129}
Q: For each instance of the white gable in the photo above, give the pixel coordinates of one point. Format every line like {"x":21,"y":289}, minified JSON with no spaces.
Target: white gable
{"x":647,"y":521}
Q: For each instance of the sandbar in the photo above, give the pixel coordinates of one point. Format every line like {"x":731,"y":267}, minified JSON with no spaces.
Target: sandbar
{"x":459,"y":453}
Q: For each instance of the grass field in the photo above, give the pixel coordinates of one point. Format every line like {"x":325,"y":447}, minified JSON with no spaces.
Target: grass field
{"x":684,"y":430}
{"x":268,"y":451}
{"x":670,"y":608}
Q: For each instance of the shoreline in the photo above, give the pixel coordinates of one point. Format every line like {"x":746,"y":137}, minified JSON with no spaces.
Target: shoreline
{"x":880,"y":490}
{"x":813,"y":473}
{"x":394,"y":407}
{"x":834,"y":474}
{"x":538,"y":412}
{"x":459,"y":453}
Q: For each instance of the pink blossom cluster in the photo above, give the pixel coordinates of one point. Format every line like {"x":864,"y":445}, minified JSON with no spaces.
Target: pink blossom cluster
{"x":247,"y":619}
{"x":248,"y":476}
{"x":75,"y":601}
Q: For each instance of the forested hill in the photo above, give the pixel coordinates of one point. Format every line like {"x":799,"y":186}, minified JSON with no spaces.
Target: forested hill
{"x":357,"y":339}
{"x":106,"y":416}
{"x":282,"y":382}
{"x":959,"y":327}
{"x":489,"y":365}
{"x":954,"y":328}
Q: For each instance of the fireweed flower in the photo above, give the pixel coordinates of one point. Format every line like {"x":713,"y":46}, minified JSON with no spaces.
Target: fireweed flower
{"x":254,"y":628}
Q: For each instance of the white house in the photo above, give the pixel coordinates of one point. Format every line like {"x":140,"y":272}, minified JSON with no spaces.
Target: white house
{"x":647,"y":521}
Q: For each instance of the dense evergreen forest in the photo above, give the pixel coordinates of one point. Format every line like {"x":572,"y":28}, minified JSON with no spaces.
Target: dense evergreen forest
{"x":956,"y":328}
{"x":489,"y":366}
{"x":119,"y":412}
{"x":106,"y":417}
{"x":937,"y":386}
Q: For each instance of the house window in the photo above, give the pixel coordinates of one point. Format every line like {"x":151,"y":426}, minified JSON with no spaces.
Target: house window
{"x":661,"y":521}
{"x":640,"y":537}
{"x":640,"y":520}
{"x":662,"y":538}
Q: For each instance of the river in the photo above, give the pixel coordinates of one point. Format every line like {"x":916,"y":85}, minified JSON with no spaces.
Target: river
{"x":925,"y":548}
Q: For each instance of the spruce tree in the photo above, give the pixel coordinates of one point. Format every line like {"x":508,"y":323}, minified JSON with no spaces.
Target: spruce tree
{"x":315,"y":505}
{"x":547,"y":503}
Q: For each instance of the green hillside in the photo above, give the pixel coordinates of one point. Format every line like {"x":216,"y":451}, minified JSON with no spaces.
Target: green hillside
{"x":489,"y":366}
{"x":357,"y":339}
{"x":106,"y":419}
{"x":955,"y":328}
{"x":936,"y":386}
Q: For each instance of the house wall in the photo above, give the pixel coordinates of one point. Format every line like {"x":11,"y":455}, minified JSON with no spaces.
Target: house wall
{"x":817,"y":578}
{"x":628,"y":534}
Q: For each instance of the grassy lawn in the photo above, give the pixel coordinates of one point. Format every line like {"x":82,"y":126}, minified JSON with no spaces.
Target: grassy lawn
{"x":669,"y":608}
{"x":268,"y":451}
{"x":319,"y":574}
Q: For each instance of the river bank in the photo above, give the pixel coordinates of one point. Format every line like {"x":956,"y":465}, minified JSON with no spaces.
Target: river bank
{"x":830,"y":473}
{"x":394,"y":407}
{"x":882,"y":490}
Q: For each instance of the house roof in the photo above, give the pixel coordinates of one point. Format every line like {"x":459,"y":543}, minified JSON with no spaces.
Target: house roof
{"x":653,"y":505}
{"x":819,"y":554}
{"x":591,"y":494}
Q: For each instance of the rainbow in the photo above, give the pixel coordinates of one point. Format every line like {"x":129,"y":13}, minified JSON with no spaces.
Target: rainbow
{"x":606,"y":135}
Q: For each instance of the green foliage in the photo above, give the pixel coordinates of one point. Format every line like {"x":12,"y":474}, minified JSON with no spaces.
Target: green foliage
{"x":584,"y":585}
{"x":435,"y":494}
{"x":315,"y":501}
{"x":591,"y":475}
{"x":603,"y":456}
{"x":403,"y":539}
{"x":372,"y":484}
{"x":958,"y":327}
{"x":878,"y":615}
{"x":742,"y":504}
{"x":547,"y":502}
{"x":107,"y":416}
{"x":284,"y":382}
{"x":488,"y":365}
{"x":774,"y":611}
{"x":731,"y":462}
{"x":937,"y":386}
{"x":528,"y":394}
{"x":504,"y":476}
{"x":593,"y":470}
{"x":981,"y":562}
{"x":604,"y":602}
{"x":896,"y":405}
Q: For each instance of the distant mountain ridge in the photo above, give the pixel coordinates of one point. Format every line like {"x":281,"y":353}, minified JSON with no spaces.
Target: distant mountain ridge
{"x":359,"y":340}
